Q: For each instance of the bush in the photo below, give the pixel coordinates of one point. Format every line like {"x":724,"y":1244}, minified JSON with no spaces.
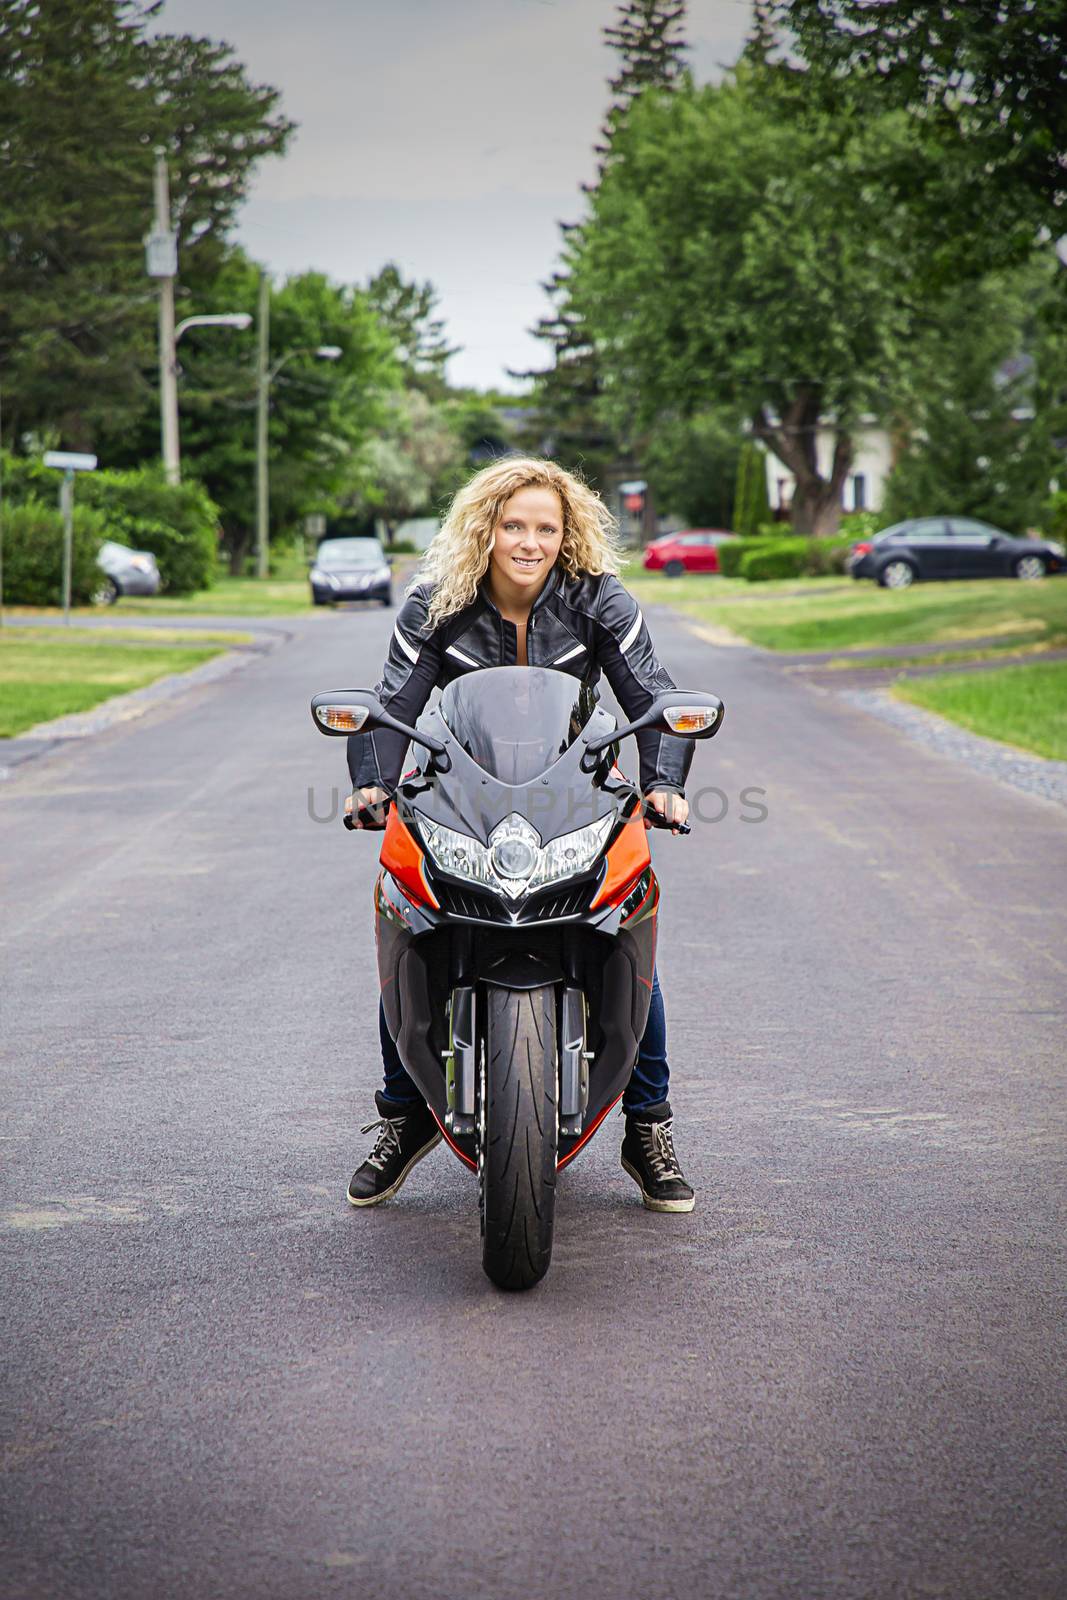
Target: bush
{"x":33,"y":555}
{"x":178,"y":523}
{"x":782,"y":558}
{"x":826,"y":557}
{"x":861,"y":525}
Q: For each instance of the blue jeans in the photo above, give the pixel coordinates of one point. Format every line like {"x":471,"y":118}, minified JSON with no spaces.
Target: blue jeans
{"x":648,"y":1082}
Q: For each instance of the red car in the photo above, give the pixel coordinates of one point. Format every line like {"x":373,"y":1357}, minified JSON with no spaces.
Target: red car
{"x":696,"y":550}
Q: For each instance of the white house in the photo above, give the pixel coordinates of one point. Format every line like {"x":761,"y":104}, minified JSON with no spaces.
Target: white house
{"x":865,"y":484}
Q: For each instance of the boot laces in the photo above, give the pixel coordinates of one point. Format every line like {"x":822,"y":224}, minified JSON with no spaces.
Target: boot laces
{"x":656,"y":1137}
{"x":388,"y":1141}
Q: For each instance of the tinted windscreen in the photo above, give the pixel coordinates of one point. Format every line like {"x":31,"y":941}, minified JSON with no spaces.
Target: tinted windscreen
{"x":350,"y":553}
{"x":516,"y":721}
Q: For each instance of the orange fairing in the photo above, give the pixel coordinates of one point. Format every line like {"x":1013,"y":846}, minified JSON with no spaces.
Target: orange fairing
{"x":626,"y":860}
{"x":402,"y":857}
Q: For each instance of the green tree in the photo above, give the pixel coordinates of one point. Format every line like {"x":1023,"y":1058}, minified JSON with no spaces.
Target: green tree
{"x":746,"y":249}
{"x":692,"y":467}
{"x":995,"y":69}
{"x":409,"y":463}
{"x":982,"y":405}
{"x":751,"y":507}
{"x":321,"y":412}
{"x":86,"y":95}
{"x":648,"y":36}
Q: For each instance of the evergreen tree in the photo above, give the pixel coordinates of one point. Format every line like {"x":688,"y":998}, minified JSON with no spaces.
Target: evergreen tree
{"x":86,"y":96}
{"x":648,"y":37}
{"x":751,"y":506}
{"x":408,"y":311}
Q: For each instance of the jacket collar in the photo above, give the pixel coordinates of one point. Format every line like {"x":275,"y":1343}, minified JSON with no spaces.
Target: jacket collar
{"x":550,"y":585}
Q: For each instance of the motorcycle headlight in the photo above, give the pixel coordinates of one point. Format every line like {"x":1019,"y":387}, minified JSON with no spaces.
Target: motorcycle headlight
{"x":458,"y":853}
{"x":571,"y":853}
{"x":515,"y":861}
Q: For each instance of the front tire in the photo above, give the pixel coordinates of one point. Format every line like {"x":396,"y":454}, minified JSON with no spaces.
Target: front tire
{"x":520,"y":1135}
{"x":674,"y":569}
{"x":1029,"y":568}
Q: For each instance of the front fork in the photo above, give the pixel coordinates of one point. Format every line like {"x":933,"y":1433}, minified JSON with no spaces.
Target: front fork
{"x":465,"y":1050}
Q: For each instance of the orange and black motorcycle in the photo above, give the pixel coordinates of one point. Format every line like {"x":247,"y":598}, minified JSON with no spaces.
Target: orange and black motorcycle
{"x":516,"y":927}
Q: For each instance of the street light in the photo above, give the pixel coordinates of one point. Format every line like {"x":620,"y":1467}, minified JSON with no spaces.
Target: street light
{"x":265,"y":376}
{"x":221,"y":319}
{"x":161,"y":260}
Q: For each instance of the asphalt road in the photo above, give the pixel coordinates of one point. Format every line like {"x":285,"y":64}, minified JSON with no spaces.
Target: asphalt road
{"x":843,"y":1375}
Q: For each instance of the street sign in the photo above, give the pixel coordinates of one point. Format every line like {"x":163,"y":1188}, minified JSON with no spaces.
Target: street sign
{"x":635,"y":486}
{"x":69,"y":461}
{"x":315,"y":525}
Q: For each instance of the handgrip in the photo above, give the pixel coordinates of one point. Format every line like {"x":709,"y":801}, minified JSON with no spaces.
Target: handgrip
{"x":368,"y":817}
{"x":658,"y":820}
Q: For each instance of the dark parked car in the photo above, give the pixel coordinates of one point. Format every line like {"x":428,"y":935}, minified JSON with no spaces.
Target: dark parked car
{"x":950,"y":547}
{"x":350,"y":569}
{"x":124,"y":571}
{"x":696,"y":550}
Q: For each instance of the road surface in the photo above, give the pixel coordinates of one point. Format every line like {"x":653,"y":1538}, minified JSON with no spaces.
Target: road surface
{"x":842,"y":1376}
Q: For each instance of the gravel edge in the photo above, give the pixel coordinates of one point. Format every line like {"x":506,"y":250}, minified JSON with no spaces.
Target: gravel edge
{"x":1034,"y":775}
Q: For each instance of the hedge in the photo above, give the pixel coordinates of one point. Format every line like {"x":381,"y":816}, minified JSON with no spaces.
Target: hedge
{"x":33,"y":555}
{"x":781,"y":558}
{"x":809,"y":558}
{"x":178,"y":523}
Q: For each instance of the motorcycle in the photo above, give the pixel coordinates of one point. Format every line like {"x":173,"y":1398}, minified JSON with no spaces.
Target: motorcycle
{"x":515,"y":923}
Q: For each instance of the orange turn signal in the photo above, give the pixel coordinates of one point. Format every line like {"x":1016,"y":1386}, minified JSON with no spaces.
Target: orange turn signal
{"x":342,"y":719}
{"x":691,"y":719}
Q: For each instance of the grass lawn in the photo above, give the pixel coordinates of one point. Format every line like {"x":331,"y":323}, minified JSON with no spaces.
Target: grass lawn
{"x":49,"y":672}
{"x":836,"y":614}
{"x":1025,"y":706}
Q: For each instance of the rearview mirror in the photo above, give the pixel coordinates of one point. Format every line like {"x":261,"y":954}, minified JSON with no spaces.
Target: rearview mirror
{"x":681,"y":712}
{"x":346,"y":711}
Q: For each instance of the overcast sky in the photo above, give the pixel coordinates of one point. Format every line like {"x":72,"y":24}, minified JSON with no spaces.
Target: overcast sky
{"x":450,"y":136}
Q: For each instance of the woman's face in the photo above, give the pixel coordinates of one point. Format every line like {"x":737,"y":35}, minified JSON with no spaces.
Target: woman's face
{"x":527,"y":539}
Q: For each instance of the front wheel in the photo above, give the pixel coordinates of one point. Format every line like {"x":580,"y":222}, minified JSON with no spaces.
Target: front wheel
{"x":1029,"y":568}
{"x":674,"y":569}
{"x":519,"y":1136}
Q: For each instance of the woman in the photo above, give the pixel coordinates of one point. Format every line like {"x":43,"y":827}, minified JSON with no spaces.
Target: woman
{"x":523,"y":573}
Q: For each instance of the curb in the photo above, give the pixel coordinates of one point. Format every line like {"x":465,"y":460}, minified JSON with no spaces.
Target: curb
{"x":46,"y":736}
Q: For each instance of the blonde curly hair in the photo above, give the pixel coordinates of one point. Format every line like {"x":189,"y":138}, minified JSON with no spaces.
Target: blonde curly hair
{"x":458,"y":558}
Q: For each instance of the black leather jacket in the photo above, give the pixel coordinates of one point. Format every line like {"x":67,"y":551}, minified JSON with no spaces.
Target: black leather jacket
{"x":580,"y":626}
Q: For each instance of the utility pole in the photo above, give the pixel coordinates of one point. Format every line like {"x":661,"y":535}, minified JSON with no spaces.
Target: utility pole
{"x":162,"y":261}
{"x":262,"y":416}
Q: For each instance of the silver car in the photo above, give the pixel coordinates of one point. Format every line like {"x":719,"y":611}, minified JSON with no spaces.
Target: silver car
{"x":124,"y":571}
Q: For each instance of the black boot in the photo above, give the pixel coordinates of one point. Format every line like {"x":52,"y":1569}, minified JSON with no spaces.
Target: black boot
{"x":648,"y":1156}
{"x":405,"y":1135}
